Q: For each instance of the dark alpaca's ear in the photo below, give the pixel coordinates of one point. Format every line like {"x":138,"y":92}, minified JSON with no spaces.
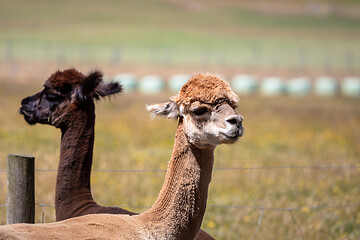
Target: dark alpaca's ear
{"x":106,"y":89}
{"x":93,"y":87}
{"x":87,"y":88}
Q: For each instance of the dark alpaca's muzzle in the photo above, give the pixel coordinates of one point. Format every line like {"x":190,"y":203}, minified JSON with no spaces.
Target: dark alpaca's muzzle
{"x":29,"y":116}
{"x":28,"y":107}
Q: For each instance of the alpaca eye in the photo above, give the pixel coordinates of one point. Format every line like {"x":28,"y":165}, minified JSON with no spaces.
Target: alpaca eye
{"x":53,"y":97}
{"x":200,"y":111}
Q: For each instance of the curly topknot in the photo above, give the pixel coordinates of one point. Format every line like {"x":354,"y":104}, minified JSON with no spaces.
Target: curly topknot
{"x":207,"y":88}
{"x":62,"y":79}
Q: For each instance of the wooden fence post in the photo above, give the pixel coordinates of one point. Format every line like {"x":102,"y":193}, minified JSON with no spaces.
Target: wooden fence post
{"x":20,"y":189}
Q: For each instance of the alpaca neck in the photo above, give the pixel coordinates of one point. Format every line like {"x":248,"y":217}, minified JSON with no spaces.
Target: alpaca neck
{"x":76,"y":150}
{"x":180,"y":207}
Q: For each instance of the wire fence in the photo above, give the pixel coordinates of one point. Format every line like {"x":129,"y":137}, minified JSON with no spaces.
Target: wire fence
{"x":220,"y":168}
{"x":262,"y":209}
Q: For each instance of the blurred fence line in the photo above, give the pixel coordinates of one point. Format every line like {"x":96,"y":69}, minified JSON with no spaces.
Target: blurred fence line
{"x":250,"y":56}
{"x":301,"y":61}
{"x":216,"y":169}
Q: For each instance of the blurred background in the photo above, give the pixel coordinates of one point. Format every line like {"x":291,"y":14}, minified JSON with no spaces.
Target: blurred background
{"x":288,"y":38}
{"x":295,"y":65}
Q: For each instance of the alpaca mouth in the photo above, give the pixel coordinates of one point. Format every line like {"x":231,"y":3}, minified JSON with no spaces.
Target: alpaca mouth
{"x":232,"y":136}
{"x":29,"y":117}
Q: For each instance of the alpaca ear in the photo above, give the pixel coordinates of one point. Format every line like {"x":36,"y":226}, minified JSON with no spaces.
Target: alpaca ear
{"x":106,"y":89}
{"x":169,"y":109}
{"x":87,"y":88}
{"x":93,"y":87}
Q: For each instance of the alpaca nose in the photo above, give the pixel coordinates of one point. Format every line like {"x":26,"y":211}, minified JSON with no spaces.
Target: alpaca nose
{"x":30,"y":100}
{"x":235,"y":120}
{"x":25,"y":101}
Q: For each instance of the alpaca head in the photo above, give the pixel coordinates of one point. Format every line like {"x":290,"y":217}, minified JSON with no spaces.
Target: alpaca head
{"x":206,"y":105}
{"x":64,"y":93}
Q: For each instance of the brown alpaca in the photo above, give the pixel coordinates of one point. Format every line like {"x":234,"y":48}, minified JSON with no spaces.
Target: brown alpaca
{"x":205,"y":109}
{"x":67,"y":103}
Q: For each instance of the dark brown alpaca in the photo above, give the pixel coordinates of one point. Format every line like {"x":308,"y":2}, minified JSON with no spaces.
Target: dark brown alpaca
{"x":67,"y":102}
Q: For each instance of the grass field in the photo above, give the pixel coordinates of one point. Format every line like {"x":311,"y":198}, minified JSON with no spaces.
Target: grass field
{"x":294,"y":132}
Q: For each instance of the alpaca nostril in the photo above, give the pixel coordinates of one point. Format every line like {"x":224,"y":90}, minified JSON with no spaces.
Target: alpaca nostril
{"x":235,"y":120}
{"x":232,"y":121}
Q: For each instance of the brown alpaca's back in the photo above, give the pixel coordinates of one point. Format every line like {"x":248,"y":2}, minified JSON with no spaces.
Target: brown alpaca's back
{"x":100,"y":226}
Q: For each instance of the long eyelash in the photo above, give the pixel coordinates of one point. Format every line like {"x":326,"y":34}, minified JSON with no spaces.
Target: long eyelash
{"x":217,"y":104}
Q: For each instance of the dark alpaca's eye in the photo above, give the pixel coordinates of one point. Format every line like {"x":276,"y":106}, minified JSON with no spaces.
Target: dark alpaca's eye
{"x":200,"y":111}
{"x":53,"y":97}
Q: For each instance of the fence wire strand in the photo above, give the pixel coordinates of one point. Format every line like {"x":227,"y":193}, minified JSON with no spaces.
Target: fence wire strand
{"x":216,"y":169}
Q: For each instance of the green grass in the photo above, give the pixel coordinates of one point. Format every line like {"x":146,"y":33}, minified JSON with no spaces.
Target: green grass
{"x":278,"y":132}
